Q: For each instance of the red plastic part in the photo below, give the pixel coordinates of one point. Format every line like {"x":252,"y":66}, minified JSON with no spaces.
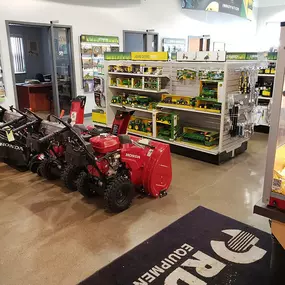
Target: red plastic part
{"x":277,"y":203}
{"x":105,"y":143}
{"x":149,"y":167}
{"x":77,"y":110}
{"x":121,"y":123}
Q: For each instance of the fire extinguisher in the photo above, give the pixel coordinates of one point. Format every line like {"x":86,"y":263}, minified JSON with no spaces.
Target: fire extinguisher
{"x":77,"y":110}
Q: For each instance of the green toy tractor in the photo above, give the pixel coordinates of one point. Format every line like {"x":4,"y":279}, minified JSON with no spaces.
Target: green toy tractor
{"x":116,"y":99}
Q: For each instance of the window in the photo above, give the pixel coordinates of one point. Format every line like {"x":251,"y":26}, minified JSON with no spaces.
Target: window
{"x":18,"y":54}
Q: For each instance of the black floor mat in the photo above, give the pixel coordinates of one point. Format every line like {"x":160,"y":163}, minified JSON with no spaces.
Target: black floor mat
{"x":203,"y":247}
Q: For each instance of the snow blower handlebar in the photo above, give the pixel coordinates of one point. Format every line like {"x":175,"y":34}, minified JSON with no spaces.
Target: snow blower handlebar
{"x":3,"y":109}
{"x":38,"y":120}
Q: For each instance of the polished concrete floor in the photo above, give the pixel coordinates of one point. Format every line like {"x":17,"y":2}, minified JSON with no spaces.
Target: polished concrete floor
{"x":51,"y":236}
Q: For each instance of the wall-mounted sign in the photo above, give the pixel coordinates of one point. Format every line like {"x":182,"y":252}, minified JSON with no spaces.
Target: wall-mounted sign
{"x":242,"y":8}
{"x":139,"y":56}
{"x":150,"y":56}
{"x":243,"y":56}
{"x":99,"y":39}
{"x":117,"y":56}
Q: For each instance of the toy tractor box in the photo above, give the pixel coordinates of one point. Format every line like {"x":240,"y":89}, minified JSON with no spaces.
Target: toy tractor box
{"x":143,"y":102}
{"x":124,"y":69}
{"x":184,"y":74}
{"x":208,"y":91}
{"x":167,"y":125}
{"x":99,"y":116}
{"x":113,"y":81}
{"x":152,"y":83}
{"x":208,"y":106}
{"x":206,"y":138}
{"x":137,"y":68}
{"x":140,"y":125}
{"x":212,"y":75}
{"x":112,"y":68}
{"x":136,"y":83}
{"x":153,"y":70}
{"x":117,"y":99}
{"x":124,"y":82}
{"x":179,"y":101}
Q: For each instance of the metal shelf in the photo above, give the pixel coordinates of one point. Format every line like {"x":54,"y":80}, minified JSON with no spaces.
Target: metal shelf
{"x":133,"y":108}
{"x":140,"y":75}
{"x":213,"y":151}
{"x":266,"y":75}
{"x":140,"y":90}
{"x":188,"y":110}
{"x":264,"y":98}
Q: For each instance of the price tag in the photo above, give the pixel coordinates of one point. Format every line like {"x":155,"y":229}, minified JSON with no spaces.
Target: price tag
{"x":10,"y":135}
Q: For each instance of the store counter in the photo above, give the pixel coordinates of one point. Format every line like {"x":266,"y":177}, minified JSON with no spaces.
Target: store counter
{"x":37,"y":97}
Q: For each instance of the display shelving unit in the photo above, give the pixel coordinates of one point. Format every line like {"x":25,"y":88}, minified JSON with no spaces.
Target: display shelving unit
{"x":2,"y":86}
{"x":263,"y":110}
{"x":228,"y":146}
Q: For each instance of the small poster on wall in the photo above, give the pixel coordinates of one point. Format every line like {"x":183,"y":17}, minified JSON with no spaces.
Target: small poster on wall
{"x":2,"y":87}
{"x":92,"y":57}
{"x":172,"y":45}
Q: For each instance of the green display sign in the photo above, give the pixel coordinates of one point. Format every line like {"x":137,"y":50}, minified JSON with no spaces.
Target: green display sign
{"x":99,"y":39}
{"x":117,"y":56}
{"x":236,"y":56}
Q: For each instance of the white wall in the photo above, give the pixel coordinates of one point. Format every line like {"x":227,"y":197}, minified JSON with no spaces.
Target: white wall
{"x":268,"y":25}
{"x":111,"y":17}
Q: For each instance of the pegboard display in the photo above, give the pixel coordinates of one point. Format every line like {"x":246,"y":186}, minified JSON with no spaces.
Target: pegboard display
{"x":207,"y":97}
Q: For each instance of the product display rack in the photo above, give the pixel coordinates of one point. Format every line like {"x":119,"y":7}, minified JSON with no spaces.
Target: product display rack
{"x":2,"y":86}
{"x":228,"y":146}
{"x":263,"y":109}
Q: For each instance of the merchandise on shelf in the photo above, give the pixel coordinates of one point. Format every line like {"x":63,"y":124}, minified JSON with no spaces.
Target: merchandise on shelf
{"x":116,"y":99}
{"x":241,"y":119}
{"x":99,"y":116}
{"x":214,"y":107}
{"x":141,"y":125}
{"x":134,"y":100}
{"x":152,"y":83}
{"x":183,"y":101}
{"x":137,"y":68}
{"x":208,"y":91}
{"x":244,"y":85}
{"x":152,"y":70}
{"x":167,"y":125}
{"x":211,"y":75}
{"x":271,"y":69}
{"x":123,"y":82}
{"x":136,"y":83}
{"x":92,"y":56}
{"x":200,"y":136}
{"x":184,"y":74}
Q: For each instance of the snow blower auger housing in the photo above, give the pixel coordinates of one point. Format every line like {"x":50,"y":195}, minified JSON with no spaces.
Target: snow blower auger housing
{"x":122,"y":164}
{"x":14,"y":133}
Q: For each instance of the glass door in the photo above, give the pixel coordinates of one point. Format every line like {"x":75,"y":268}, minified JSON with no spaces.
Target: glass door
{"x":63,"y":69}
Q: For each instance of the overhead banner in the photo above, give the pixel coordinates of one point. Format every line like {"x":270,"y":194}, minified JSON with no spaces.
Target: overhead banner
{"x":242,"y":8}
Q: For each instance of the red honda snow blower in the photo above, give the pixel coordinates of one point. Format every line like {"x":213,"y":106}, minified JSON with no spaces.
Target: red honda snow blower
{"x":114,"y":165}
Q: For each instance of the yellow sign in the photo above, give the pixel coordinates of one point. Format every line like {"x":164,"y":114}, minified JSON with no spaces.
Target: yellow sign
{"x":146,"y":56}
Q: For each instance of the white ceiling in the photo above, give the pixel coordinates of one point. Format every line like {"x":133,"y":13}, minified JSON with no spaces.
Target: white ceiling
{"x":268,"y":3}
